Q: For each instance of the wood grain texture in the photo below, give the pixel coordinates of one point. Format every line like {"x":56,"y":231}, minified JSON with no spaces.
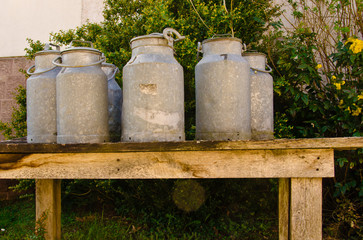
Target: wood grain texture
{"x":284,"y":208}
{"x":183,"y":164}
{"x":306,"y":143}
{"x":48,"y":207}
{"x":306,"y":209}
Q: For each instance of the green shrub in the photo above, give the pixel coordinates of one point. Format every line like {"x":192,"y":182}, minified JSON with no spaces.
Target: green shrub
{"x":17,"y":127}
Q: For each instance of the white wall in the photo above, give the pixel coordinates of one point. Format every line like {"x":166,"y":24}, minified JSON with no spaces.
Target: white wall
{"x":35,"y":19}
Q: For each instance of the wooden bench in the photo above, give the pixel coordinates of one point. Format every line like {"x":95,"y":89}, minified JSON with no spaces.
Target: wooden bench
{"x":300,"y":165}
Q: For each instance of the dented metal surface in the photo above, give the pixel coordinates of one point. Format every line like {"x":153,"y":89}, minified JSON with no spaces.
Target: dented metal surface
{"x":153,"y":85}
{"x":262,"y":116}
{"x":222,"y":86}
{"x":41,"y":98}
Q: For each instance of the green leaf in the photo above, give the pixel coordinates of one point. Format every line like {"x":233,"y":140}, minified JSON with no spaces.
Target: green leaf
{"x":305,"y":99}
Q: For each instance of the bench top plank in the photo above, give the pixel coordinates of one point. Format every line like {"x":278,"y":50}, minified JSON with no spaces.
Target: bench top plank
{"x":346,"y":143}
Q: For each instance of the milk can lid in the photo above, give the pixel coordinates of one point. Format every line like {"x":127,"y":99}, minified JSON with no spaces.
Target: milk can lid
{"x":253,"y":53}
{"x":47,"y":50}
{"x":221,"y":39}
{"x":151,"y":35}
{"x":167,"y":35}
{"x":82,"y":49}
{"x":91,"y":49}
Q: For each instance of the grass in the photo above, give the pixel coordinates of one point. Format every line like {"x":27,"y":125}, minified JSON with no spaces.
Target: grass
{"x":220,"y":217}
{"x":17,"y":219}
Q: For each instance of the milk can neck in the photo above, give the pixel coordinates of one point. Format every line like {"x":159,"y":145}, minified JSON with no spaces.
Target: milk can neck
{"x":256,"y":60}
{"x":81,"y":57}
{"x":44,"y":61}
{"x":151,"y":45}
{"x":222,"y":46}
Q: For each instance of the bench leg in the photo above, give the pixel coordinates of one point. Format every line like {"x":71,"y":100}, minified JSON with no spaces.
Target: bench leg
{"x":48,"y":208}
{"x":284,"y":208}
{"x":306,"y":209}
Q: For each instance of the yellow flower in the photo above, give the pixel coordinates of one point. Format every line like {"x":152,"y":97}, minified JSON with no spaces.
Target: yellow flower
{"x":341,"y":102}
{"x":318,"y":66}
{"x":357,"y":45}
{"x":360,"y":97}
{"x":356,"y":112}
{"x":343,"y":82}
{"x":338,"y":85}
{"x":348,"y":108}
{"x":349,"y":40}
{"x":333,"y":77}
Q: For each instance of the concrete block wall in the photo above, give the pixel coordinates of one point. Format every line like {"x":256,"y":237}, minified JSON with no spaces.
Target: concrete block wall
{"x":10,"y":79}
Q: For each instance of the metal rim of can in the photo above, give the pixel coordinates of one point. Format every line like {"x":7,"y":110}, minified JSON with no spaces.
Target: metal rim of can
{"x":252,"y":53}
{"x":83,"y":49}
{"x":102,"y":59}
{"x":46,"y":52}
{"x":221,"y":39}
{"x":150,"y":36}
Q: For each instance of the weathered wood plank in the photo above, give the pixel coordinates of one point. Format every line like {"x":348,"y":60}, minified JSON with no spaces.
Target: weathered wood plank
{"x":184,"y":164}
{"x":284,"y":208}
{"x":308,"y":143}
{"x":306,"y":209}
{"x":48,"y":207}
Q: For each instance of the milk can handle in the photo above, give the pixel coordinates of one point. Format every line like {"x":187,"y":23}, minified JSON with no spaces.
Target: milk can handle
{"x":35,"y":73}
{"x":167,"y":33}
{"x":51,"y":44}
{"x":199,"y":50}
{"x":244,"y":47}
{"x":262,"y":70}
{"x":77,"y":66}
{"x":115,"y":71}
{"x":71,"y":45}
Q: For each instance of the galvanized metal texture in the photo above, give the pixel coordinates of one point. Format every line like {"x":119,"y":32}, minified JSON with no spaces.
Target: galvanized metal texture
{"x":82,"y":99}
{"x":262,"y":116}
{"x":41,"y":98}
{"x":114,"y":102}
{"x":153,"y":85}
{"x":222,"y":80}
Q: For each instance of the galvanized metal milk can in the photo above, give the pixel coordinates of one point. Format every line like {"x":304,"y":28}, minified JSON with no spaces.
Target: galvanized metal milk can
{"x":114,"y":102}
{"x":82,"y":114}
{"x":41,"y":97}
{"x":153,"y":85}
{"x":222,"y":87}
{"x":262,"y":115}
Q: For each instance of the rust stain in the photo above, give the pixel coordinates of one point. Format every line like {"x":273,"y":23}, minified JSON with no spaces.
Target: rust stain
{"x":150,"y":89}
{"x":184,"y":167}
{"x":16,"y":161}
{"x":9,"y":161}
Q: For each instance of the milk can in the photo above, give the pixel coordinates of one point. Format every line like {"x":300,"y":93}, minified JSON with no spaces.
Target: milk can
{"x":41,"y":97}
{"x":262,"y":116}
{"x":153,"y":90}
{"x":222,"y":87}
{"x":82,"y":114}
{"x":114,"y":102}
